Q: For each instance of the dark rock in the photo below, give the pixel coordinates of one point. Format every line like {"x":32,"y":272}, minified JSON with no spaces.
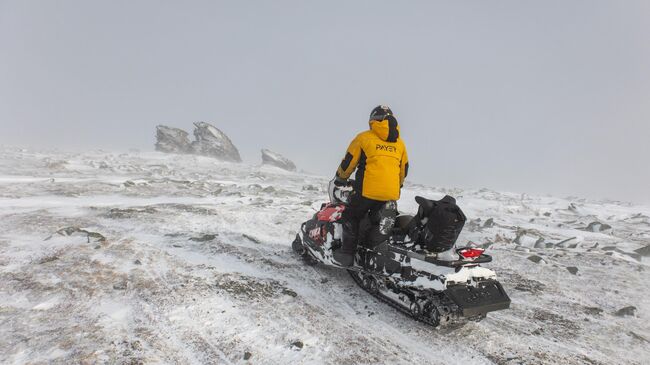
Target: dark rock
{"x":172,"y":140}
{"x":120,"y":285}
{"x":297,"y":345}
{"x":540,"y":243}
{"x":48,"y":258}
{"x":534,"y":258}
{"x":212,"y":142}
{"x":638,"y":337}
{"x":122,"y":213}
{"x":269,"y":189}
{"x":565,"y":243}
{"x":643,"y":251}
{"x":324,"y":280}
{"x":277,"y":160}
{"x":204,"y":238}
{"x":137,"y":262}
{"x":594,"y":311}
{"x":247,"y":355}
{"x":626,"y":311}
{"x":572,"y":269}
{"x":250,"y":238}
{"x":74,"y":231}
{"x":289,"y":292}
{"x":597,"y":227}
{"x":489,"y":223}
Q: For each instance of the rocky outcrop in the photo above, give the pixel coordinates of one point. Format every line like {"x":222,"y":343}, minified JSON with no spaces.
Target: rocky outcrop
{"x":212,"y":142}
{"x":597,"y":227}
{"x":209,"y":141}
{"x":275,"y":159}
{"x":626,"y":311}
{"x":172,"y":140}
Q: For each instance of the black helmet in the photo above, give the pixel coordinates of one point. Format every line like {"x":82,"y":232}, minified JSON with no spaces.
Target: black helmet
{"x":380,"y":112}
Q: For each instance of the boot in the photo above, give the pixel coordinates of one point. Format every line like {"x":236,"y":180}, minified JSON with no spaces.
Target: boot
{"x":344,"y":256}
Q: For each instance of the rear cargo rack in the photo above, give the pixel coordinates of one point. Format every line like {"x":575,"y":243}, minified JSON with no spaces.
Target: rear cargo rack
{"x":434,"y":258}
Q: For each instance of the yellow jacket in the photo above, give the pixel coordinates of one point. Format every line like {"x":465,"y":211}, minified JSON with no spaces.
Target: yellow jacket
{"x":380,"y":155}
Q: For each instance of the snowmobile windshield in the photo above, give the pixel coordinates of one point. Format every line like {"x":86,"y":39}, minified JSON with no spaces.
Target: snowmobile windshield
{"x":340,"y":194}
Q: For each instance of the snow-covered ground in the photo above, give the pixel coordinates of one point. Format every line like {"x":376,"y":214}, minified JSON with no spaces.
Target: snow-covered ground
{"x":153,"y":258}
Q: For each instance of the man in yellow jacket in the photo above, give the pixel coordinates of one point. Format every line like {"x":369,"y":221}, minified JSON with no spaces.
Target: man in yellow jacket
{"x":379,"y":156}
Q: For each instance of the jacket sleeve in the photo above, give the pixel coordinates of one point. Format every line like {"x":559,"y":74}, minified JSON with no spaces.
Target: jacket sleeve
{"x":351,"y":159}
{"x":404,"y":167}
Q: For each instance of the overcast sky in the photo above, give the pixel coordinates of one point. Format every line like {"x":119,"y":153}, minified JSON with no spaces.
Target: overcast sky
{"x":525,"y":96}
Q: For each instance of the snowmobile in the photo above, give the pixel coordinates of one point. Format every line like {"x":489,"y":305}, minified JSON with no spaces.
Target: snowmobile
{"x":409,"y":261}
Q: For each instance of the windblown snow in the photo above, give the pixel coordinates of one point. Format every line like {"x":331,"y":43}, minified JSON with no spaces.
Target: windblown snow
{"x":157,"y":258}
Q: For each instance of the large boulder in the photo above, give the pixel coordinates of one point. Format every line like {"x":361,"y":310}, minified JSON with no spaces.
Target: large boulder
{"x":275,"y":159}
{"x":212,"y":142}
{"x":172,"y":140}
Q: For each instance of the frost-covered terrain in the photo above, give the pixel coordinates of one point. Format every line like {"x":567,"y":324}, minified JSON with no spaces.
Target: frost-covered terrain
{"x":154,"y":258}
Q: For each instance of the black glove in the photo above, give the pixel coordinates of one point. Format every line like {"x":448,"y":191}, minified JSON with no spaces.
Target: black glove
{"x":339,"y":181}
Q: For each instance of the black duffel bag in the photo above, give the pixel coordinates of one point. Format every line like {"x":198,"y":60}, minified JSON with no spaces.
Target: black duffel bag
{"x":438,"y":223}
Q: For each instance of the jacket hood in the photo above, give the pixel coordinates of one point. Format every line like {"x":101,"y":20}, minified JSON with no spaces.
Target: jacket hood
{"x":386,"y":130}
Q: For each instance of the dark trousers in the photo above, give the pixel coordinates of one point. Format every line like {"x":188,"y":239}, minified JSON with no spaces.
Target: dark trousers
{"x":352,"y":215}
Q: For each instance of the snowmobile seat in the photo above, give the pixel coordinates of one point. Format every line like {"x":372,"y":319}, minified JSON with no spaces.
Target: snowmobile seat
{"x":401,"y":227}
{"x":402,"y":223}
